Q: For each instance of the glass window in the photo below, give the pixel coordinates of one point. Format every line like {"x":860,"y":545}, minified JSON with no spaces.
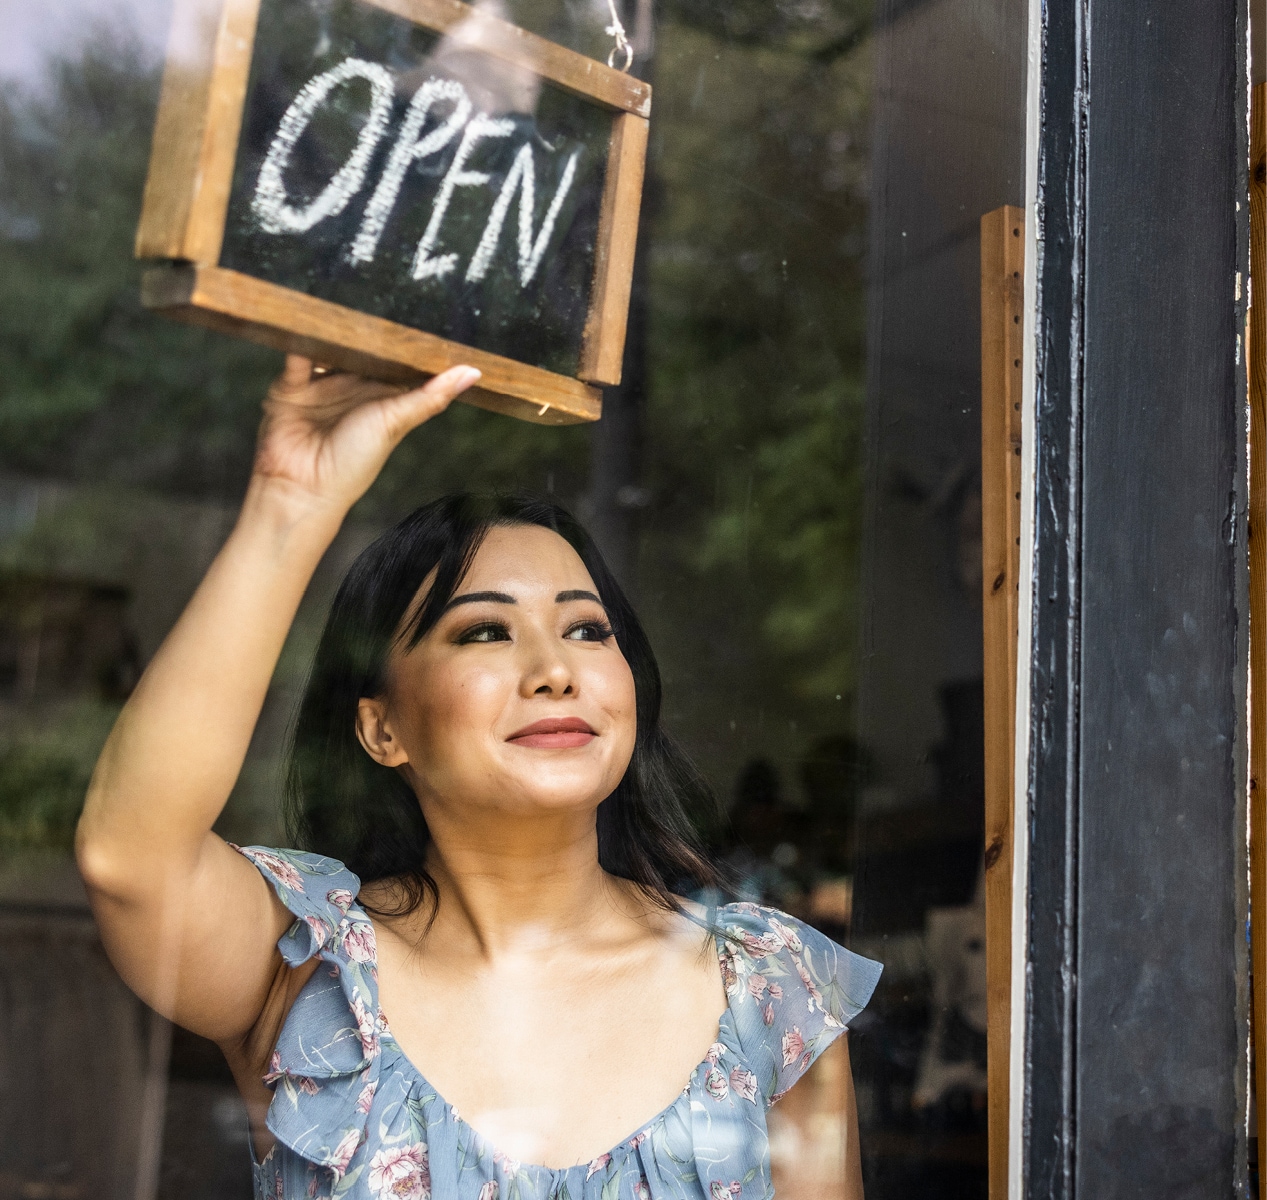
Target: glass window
{"x":787,"y":481}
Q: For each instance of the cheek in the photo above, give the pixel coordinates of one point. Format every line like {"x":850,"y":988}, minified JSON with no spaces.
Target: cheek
{"x":614,"y":685}
{"x":448,"y":704}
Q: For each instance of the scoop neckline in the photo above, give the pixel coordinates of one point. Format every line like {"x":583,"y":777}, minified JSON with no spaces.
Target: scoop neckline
{"x":725,"y":1024}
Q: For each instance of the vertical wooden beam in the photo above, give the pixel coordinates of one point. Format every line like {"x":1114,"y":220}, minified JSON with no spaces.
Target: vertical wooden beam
{"x":1256,"y":355}
{"x":1002,"y":291}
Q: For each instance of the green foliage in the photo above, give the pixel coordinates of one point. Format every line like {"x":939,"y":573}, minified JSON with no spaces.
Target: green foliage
{"x":821,"y":29}
{"x":41,"y":793}
{"x":46,"y":761}
{"x":91,"y":386}
{"x":755,"y":227}
{"x":758,"y":336}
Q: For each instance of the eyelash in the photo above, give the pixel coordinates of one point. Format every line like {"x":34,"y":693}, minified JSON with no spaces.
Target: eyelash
{"x":603,"y":630}
{"x":471,"y":636}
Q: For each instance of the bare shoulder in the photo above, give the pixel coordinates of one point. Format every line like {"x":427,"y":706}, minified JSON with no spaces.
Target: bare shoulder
{"x":399,"y":913}
{"x":680,"y":935}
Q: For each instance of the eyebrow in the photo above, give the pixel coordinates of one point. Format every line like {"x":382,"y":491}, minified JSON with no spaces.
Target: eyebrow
{"x":576,"y":594}
{"x":505,"y":598}
{"x":481,"y":598}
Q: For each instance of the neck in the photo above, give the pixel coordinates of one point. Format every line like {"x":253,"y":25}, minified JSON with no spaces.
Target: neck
{"x":509,"y":885}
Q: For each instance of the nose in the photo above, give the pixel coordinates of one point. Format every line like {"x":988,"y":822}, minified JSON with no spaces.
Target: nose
{"x":547,"y":670}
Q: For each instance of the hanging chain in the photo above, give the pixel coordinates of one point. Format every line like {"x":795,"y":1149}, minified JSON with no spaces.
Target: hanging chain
{"x":622,"y":46}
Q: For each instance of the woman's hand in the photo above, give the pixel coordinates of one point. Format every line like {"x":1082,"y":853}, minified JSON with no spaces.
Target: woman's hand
{"x":324,"y":438}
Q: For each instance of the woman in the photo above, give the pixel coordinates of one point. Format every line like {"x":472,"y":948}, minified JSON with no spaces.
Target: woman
{"x":480,"y":743}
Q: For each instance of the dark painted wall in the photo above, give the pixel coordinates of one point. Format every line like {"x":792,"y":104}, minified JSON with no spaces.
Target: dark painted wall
{"x":1138,"y":1034}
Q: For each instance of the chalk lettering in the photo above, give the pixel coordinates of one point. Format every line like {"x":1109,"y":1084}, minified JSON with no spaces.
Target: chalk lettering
{"x":480,"y":127}
{"x":271,"y":205}
{"x":409,"y":149}
{"x":409,"y":178}
{"x":522,"y":176}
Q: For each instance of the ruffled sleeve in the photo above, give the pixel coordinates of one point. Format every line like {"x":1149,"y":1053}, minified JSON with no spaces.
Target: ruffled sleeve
{"x":792,"y":991}
{"x":319,"y":891}
{"x":325,"y":1069}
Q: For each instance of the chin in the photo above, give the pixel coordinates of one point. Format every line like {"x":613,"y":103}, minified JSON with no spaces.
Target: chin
{"x":558,"y":772}
{"x":558,"y":790}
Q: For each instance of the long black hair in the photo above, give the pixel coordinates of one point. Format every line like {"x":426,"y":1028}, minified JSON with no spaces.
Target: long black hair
{"x":341,"y":803}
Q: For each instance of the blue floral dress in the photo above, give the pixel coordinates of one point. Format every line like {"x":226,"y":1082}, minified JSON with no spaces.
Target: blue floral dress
{"x":353,"y":1117}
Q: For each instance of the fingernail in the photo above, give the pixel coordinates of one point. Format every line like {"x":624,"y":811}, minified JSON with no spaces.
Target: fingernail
{"x":470,"y":375}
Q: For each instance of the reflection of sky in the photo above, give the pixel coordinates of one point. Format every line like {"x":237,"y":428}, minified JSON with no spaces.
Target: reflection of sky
{"x":34,"y":27}
{"x":29,"y":29}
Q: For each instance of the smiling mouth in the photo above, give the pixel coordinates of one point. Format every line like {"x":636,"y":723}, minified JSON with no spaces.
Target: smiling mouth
{"x":554,"y":733}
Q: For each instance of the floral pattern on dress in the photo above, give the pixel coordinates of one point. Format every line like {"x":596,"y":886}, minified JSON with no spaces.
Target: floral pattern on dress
{"x":355,"y":1120}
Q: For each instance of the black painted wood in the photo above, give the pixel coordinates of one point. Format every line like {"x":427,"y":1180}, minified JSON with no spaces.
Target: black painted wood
{"x":1050,"y":1074}
{"x":1137,"y":998}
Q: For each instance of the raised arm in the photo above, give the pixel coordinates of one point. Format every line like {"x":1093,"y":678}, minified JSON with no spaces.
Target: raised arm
{"x":189,"y":923}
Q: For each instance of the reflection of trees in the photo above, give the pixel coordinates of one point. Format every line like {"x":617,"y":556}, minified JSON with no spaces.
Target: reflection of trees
{"x":819,"y":29}
{"x":90,"y":385}
{"x":751,"y":458}
{"x":757,"y":359}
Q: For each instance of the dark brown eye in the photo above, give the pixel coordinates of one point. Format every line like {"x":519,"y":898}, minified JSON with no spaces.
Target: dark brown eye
{"x":486,"y":631}
{"x":589,"y":631}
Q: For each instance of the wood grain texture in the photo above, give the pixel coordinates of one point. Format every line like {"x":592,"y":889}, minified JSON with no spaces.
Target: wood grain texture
{"x":603,"y":346}
{"x":1002,"y":291}
{"x":196,"y":132}
{"x":1256,"y":356}
{"x":353,"y":341}
{"x":569,"y":70}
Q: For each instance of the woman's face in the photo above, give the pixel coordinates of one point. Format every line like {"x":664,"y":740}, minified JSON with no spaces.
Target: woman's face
{"x":518,"y":700}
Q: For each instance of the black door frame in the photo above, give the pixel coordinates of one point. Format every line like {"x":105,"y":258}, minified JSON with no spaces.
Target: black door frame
{"x":1136,"y":993}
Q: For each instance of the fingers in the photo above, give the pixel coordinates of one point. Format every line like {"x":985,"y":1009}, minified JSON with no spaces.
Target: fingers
{"x":298,"y":370}
{"x":324,"y":400}
{"x":413,"y":408}
{"x":453,"y":382}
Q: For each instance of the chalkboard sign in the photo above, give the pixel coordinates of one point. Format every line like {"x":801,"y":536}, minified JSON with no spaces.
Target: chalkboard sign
{"x":395,"y":186}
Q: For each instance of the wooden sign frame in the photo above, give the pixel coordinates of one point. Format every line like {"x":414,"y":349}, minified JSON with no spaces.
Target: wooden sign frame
{"x":186,"y":201}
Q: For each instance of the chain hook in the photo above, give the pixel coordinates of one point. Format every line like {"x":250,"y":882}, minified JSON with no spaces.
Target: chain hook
{"x":622,"y":46}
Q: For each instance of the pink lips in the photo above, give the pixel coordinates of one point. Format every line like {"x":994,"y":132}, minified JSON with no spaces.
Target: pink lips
{"x":554,"y":733}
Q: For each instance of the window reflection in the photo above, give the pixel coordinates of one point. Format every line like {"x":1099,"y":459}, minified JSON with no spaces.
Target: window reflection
{"x":787,"y":481}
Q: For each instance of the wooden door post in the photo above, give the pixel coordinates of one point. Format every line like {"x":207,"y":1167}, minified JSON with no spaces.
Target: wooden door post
{"x":1002,"y":322}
